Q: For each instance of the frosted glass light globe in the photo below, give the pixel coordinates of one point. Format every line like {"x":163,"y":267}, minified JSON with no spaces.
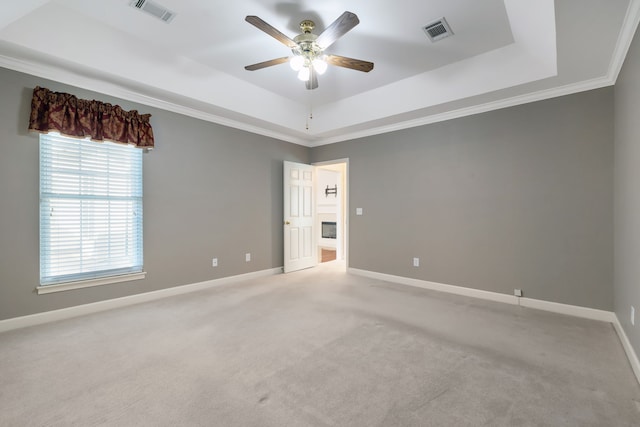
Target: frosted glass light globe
{"x":304,"y":74}
{"x":296,"y":63}
{"x":319,"y":65}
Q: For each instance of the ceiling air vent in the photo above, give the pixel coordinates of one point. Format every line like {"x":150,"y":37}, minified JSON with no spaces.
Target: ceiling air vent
{"x":437,"y":30}
{"x":154,"y":9}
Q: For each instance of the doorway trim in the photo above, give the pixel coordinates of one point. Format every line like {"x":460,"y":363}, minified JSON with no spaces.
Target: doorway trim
{"x":345,"y":207}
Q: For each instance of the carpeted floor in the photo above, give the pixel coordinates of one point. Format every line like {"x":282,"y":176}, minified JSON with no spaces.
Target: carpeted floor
{"x":317,"y":348}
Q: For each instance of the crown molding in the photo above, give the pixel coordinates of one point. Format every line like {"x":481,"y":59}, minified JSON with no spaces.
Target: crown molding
{"x":476,"y":109}
{"x":62,"y":75}
{"x":627,"y":32}
{"x":95,"y":84}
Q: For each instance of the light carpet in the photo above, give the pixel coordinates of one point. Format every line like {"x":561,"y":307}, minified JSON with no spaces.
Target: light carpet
{"x":317,"y":347}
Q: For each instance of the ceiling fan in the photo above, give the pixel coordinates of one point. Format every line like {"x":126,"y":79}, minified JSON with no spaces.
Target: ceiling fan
{"x":309,"y":58}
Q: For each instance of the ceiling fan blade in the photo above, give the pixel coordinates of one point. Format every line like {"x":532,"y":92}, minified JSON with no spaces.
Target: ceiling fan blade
{"x":354,"y":64}
{"x":265,"y":64}
{"x":337,"y":29}
{"x":312,"y":83}
{"x":262,"y":25}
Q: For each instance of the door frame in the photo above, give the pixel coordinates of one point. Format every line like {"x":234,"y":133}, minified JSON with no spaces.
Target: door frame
{"x":345,"y":206}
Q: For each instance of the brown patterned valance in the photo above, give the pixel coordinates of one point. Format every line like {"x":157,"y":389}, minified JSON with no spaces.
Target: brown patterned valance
{"x":64,"y":113}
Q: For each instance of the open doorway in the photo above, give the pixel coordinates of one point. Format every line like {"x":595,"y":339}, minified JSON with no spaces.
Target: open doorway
{"x":331,"y":207}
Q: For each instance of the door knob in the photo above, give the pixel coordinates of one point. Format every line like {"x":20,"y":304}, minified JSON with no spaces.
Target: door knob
{"x":287,"y":223}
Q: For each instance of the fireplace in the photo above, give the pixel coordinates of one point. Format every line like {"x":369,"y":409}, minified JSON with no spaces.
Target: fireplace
{"x":328,"y":230}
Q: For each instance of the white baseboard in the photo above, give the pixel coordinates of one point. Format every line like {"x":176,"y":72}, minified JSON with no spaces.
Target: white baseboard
{"x":570,"y":310}
{"x":626,"y":344}
{"x":458,"y":290}
{"x":80,"y":310}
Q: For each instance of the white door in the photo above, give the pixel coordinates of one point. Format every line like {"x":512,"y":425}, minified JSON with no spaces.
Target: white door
{"x":300,"y":250}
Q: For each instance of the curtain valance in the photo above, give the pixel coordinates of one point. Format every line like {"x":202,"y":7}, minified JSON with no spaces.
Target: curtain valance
{"x":68,"y":115}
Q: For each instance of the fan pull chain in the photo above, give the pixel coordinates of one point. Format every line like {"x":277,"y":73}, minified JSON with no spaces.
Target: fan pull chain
{"x":310,"y":117}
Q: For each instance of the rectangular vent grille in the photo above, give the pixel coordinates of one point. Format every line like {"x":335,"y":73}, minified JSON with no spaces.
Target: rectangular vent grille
{"x":154,"y":9}
{"x":437,"y":30}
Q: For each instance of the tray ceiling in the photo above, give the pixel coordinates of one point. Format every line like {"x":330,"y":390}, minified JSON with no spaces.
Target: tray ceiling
{"x":503,"y":52}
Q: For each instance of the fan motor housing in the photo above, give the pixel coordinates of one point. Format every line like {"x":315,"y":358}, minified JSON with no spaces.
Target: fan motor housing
{"x":306,"y":41}
{"x":307,"y":45}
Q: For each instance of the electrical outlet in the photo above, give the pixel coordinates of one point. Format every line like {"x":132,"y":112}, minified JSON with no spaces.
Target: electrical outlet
{"x":358,"y":211}
{"x":214,"y":262}
{"x":247,"y":257}
{"x":416,"y":262}
{"x":517,"y":292}
{"x":633,"y":315}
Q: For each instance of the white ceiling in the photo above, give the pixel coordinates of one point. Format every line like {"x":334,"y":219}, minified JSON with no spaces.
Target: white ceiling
{"x":503,"y":52}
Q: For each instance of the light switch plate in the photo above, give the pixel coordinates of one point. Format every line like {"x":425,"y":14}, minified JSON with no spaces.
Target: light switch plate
{"x":358,"y":211}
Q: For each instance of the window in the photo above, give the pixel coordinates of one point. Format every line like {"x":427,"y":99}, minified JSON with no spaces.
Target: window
{"x":90,"y":212}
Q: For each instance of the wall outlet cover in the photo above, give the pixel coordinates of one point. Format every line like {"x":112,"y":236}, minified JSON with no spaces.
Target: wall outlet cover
{"x":247,"y":257}
{"x":214,"y":262}
{"x":416,"y":262}
{"x":358,"y":211}
{"x":517,"y":292}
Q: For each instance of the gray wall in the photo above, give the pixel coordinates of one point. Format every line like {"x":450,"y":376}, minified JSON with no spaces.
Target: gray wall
{"x":209,"y":190}
{"x":514,"y":198}
{"x":627,"y":194}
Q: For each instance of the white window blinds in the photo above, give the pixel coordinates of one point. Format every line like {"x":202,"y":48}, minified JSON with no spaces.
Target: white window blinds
{"x":90,"y":209}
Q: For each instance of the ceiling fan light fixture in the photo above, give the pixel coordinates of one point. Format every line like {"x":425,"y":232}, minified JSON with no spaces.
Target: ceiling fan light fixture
{"x":304,"y":74}
{"x":319,"y":65}
{"x":308,"y":58}
{"x":296,"y":63}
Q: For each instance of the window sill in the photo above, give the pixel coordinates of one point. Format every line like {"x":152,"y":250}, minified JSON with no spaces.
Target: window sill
{"x":61,"y":287}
